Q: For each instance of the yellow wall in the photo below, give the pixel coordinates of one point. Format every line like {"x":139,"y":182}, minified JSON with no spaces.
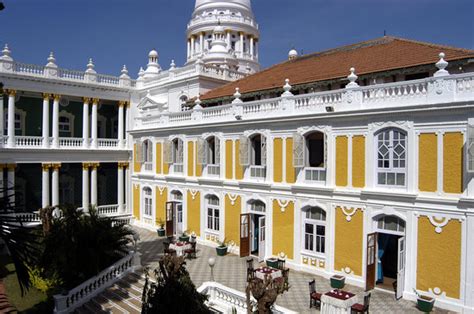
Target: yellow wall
{"x":232,"y":219}
{"x":452,"y":162}
{"x":341,"y":161}
{"x":290,"y":170}
{"x":228,"y":160}
{"x":358,"y":161}
{"x":136,"y":201}
{"x":277,"y":160}
{"x":136,"y":165}
{"x":161,"y":200}
{"x":349,"y":240}
{"x":239,"y":171}
{"x":166,"y":168}
{"x":194,"y":213}
{"x":283,"y":229}
{"x":439,"y":257}
{"x":158,"y":158}
{"x":428,"y":162}
{"x":190,"y":159}
{"x":198,"y":166}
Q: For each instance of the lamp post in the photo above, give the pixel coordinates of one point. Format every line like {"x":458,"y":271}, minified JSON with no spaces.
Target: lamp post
{"x":212,"y":262}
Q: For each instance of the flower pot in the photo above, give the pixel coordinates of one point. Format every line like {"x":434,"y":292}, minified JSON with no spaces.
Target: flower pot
{"x":425,"y":303}
{"x":184,"y":238}
{"x":338,"y":281}
{"x":221,"y":250}
{"x":161,"y":232}
{"x":272,"y":262}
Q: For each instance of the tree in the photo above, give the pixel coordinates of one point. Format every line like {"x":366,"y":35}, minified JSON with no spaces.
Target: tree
{"x":21,"y":241}
{"x":78,"y":246}
{"x":173,"y":291}
{"x":265,"y":292}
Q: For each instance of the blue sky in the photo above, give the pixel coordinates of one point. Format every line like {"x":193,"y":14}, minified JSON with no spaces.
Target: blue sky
{"x":117,"y":32}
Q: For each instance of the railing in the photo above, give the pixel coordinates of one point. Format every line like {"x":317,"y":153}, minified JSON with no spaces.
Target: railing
{"x":71,"y":74}
{"x":258,"y":172}
{"x":30,"y":219}
{"x":214,"y":170}
{"x":148,"y":166}
{"x":108,"y":210}
{"x":28,"y":141}
{"x":314,"y":174}
{"x":178,"y":168}
{"x":227,"y":300}
{"x":223,"y":18}
{"x":68,"y":142}
{"x":107,"y":143}
{"x":90,"y":288}
{"x":29,"y":69}
{"x":446,"y":89}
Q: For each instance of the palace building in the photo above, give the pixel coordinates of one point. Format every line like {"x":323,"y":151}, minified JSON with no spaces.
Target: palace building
{"x":357,"y":160}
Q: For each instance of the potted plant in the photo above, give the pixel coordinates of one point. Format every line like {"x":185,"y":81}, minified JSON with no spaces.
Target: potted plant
{"x":161,"y":230}
{"x":338,"y":281}
{"x":184,"y":237}
{"x":272,"y":262}
{"x":221,"y":248}
{"x":424,"y":302}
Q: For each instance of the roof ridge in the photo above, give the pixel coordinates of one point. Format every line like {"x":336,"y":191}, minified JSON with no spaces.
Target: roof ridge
{"x":425,"y":43}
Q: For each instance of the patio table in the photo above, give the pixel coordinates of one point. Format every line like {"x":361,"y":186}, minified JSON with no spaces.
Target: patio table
{"x":337,"y":302}
{"x":262,"y":271}
{"x":180,"y":247}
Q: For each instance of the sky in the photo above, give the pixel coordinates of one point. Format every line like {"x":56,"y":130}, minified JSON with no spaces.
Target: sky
{"x":118,"y":32}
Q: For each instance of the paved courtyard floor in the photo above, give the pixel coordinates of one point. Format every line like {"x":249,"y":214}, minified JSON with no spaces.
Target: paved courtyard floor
{"x":231,"y":271}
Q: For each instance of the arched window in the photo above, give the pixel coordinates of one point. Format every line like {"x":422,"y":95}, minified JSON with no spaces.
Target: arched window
{"x":147,"y":202}
{"x":253,"y":153}
{"x":209,"y":154}
{"x":391,"y":224}
{"x":391,"y":157}
{"x":176,"y":196}
{"x":257,"y":206}
{"x":213,"y":213}
{"x":183,"y":103}
{"x":309,"y":152}
{"x":314,"y":230}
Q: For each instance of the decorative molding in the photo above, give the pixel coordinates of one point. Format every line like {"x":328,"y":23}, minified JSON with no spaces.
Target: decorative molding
{"x":193,"y":193}
{"x":283,"y":204}
{"x":349,"y":212}
{"x":265,"y":132}
{"x":232,"y":198}
{"x":437,"y":292}
{"x":314,"y":128}
{"x":438,"y":222}
{"x":161,"y":189}
{"x":347,"y":270}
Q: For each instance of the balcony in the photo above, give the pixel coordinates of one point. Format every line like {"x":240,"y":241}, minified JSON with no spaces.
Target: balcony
{"x":258,"y":172}
{"x":178,"y":168}
{"x":38,"y":142}
{"x":147,"y":166}
{"x":214,"y":170}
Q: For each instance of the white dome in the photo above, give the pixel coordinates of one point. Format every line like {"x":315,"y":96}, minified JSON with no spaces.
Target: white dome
{"x":153,"y":53}
{"x":293,"y":53}
{"x":245,"y":3}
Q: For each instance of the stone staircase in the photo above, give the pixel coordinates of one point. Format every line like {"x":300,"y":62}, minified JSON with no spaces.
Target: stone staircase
{"x":123,"y":297}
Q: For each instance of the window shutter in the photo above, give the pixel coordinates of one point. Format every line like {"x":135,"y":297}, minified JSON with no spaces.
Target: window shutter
{"x":244,"y":150}
{"x":139,"y":152}
{"x":470,"y":147}
{"x":298,"y":150}
{"x":180,"y":156}
{"x":264,"y":150}
{"x":325,"y":150}
{"x":202,"y":151}
{"x":217,"y":147}
{"x":167,"y":155}
{"x":149,"y":147}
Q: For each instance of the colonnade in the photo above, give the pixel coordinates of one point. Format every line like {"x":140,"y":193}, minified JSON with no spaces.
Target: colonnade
{"x":196,"y":44}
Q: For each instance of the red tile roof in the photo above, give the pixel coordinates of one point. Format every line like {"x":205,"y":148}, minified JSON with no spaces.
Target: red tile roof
{"x":381,"y":54}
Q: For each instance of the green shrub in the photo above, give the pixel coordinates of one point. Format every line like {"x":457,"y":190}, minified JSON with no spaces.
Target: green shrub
{"x":41,"y":283}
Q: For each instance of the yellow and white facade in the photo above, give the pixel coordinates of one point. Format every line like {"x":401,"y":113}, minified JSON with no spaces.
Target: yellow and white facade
{"x":323,"y":181}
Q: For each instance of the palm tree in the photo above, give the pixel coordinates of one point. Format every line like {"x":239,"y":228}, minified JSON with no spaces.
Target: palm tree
{"x":22,"y":242}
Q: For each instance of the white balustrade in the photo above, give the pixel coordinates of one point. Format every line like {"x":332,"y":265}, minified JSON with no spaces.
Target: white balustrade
{"x":31,"y":69}
{"x":178,"y":168}
{"x":70,"y":142}
{"x":148,"y":166}
{"x":67,"y":303}
{"x":400,"y":91}
{"x":258,"y":172}
{"x":314,"y":174}
{"x":214,"y":170}
{"x":108,"y":79}
{"x":71,"y":74}
{"x":223,"y":18}
{"x":107,"y":143}
{"x":107,"y":210}
{"x":28,"y":141}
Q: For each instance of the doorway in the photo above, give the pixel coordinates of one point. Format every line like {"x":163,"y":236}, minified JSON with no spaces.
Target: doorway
{"x":386,"y":255}
{"x":252,"y":230}
{"x":257,"y":236}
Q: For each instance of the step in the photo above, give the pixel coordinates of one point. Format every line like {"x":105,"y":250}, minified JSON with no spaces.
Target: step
{"x":127,"y":297}
{"x":107,"y":306}
{"x":119,"y":303}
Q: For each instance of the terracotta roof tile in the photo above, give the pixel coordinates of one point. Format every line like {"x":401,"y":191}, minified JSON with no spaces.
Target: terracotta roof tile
{"x":381,"y":54}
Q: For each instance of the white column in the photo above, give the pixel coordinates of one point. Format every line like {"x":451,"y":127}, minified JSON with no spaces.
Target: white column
{"x":1,"y":114}
{"x":192,"y":46}
{"x":120,"y":187}
{"x":241,"y":44}
{"x":11,"y":183}
{"x":128,"y":203}
{"x":46,"y":123}
{"x":85,"y":123}
{"x":11,"y":118}
{"x":256,"y":49}
{"x":120,"y":123}
{"x":94,"y":184}
{"x":189,"y":49}
{"x":201,"y":42}
{"x":56,"y":121}
{"x":228,"y":40}
{"x":127,"y":112}
{"x":251,"y":46}
{"x":45,"y":185}
{"x":55,"y":184}
{"x":85,"y":187}
{"x":95,"y":104}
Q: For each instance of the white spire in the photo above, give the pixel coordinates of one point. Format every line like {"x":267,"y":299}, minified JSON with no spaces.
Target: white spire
{"x":90,"y":67}
{"x":352,"y":79}
{"x":153,"y":68}
{"x":6,"y":54}
{"x":51,"y":61}
{"x":441,"y":65}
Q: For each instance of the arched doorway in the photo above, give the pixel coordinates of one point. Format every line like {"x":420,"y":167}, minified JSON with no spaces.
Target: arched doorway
{"x":387,"y":244}
{"x":174,"y":214}
{"x":252,"y":230}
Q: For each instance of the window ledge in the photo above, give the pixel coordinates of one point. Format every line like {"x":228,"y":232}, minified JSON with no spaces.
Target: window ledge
{"x":148,"y":174}
{"x":313,"y":255}
{"x":302,"y":187}
{"x":175,"y":177}
{"x":258,"y":184}
{"x":210,"y":180}
{"x":382,"y":194}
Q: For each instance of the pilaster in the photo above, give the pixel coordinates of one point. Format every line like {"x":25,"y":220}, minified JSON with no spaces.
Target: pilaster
{"x":11,"y":118}
{"x":55,"y":184}
{"x":85,"y":122}
{"x":85,"y":187}
{"x":45,"y":130}
{"x":56,"y":99}
{"x":95,"y":105}
{"x":94,"y":167}
{"x":45,"y":185}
